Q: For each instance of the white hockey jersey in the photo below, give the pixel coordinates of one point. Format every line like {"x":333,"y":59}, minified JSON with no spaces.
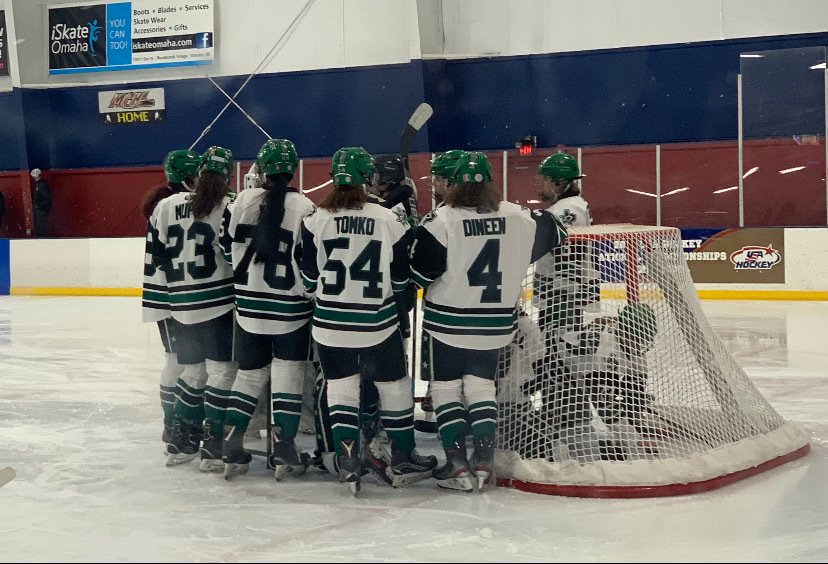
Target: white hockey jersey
{"x":199,"y":279}
{"x":572,"y":271}
{"x":270,"y":297}
{"x":354,"y":261}
{"x":572,"y":211}
{"x":155,"y":298}
{"x":472,"y":266}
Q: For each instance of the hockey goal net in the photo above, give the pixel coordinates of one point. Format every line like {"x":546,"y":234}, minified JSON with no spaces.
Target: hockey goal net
{"x":616,"y":385}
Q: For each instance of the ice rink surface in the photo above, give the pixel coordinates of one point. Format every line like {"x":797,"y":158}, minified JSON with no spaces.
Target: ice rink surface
{"x":80,"y":421}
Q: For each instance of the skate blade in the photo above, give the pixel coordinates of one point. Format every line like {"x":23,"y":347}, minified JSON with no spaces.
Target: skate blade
{"x":353,"y":487}
{"x":408,"y":479}
{"x":231,"y":470}
{"x":179,"y":458}
{"x":211,"y":465}
{"x":381,"y":477}
{"x":286,"y":471}
{"x":462,"y":484}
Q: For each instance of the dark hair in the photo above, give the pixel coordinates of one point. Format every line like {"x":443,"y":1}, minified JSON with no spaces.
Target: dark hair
{"x":210,"y":189}
{"x":271,"y":213}
{"x":344,"y":197}
{"x":483,"y":196}
{"x":151,"y":199}
{"x":572,"y":190}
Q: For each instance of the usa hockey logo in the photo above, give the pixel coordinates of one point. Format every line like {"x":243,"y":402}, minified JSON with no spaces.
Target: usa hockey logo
{"x":755,"y":258}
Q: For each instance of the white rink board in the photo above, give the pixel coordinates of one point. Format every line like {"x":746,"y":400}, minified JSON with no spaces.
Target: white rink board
{"x":118,"y":263}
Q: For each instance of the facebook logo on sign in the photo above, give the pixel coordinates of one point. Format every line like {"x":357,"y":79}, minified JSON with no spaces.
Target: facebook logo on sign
{"x":204,"y":40}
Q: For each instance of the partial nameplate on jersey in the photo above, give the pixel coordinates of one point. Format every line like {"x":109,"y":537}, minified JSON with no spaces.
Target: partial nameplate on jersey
{"x":90,"y":37}
{"x":122,"y":107}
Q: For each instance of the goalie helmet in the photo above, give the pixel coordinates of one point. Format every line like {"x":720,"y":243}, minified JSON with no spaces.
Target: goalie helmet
{"x":390,"y":169}
{"x":472,"y":167}
{"x":217,"y":159}
{"x":560,"y":166}
{"x":637,"y":325}
{"x":252,"y":178}
{"x":444,"y":163}
{"x":277,"y":156}
{"x":180,"y":165}
{"x":352,"y":166}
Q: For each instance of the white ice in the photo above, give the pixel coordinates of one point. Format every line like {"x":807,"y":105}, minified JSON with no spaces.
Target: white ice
{"x":80,"y":421}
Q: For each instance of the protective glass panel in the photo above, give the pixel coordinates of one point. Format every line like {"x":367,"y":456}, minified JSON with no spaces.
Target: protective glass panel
{"x":783,"y":128}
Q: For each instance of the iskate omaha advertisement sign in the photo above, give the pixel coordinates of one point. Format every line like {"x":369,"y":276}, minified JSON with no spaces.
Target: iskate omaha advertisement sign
{"x":130,"y":35}
{"x":4,"y":49}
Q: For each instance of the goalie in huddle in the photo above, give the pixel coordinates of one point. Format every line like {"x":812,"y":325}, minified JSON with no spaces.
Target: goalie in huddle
{"x":584,"y":397}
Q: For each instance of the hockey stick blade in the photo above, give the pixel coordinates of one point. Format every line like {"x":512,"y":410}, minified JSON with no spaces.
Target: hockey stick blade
{"x":420,"y":116}
{"x":7,"y":475}
{"x":415,"y":123}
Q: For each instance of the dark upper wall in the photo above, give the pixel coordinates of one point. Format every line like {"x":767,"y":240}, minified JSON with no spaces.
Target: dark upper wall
{"x":661,"y":94}
{"x":320,"y":111}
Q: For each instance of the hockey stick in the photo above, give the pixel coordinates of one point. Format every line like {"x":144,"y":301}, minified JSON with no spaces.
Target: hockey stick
{"x":417,"y":120}
{"x":7,"y":474}
{"x":415,"y":123}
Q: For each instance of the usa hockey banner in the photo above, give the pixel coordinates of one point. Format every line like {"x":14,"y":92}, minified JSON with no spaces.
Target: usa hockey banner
{"x":130,"y":35}
{"x":4,"y":47}
{"x":742,"y":256}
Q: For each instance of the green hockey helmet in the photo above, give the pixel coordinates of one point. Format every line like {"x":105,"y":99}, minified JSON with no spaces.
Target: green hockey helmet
{"x":560,"y":166}
{"x":444,"y":163}
{"x":637,"y":323}
{"x":218,"y":159}
{"x":472,"y":167}
{"x":180,"y":165}
{"x":277,"y":156}
{"x":352,"y":166}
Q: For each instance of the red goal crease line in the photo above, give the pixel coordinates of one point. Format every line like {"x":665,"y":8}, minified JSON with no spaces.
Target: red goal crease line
{"x":668,"y":490}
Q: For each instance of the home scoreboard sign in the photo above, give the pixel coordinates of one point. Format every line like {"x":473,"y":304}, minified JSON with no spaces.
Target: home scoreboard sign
{"x":122,"y":107}
{"x":4,"y":46}
{"x":130,"y":35}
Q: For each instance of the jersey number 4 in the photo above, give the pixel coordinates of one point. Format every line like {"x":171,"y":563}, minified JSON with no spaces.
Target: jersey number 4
{"x":484,"y":272}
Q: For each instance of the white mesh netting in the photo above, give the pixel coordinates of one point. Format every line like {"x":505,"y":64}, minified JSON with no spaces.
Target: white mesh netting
{"x":616,"y":382}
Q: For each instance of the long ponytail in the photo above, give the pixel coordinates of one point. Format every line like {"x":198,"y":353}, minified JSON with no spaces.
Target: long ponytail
{"x":271,"y":213}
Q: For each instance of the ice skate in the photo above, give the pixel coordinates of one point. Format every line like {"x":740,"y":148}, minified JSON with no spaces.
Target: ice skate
{"x":182,"y":447}
{"x":287,"y":461}
{"x":236,"y":459}
{"x":408,"y":468}
{"x":455,"y":474}
{"x":166,"y":437}
{"x":482,"y":463}
{"x":350,"y":466}
{"x":376,"y":458}
{"x":211,"y":449}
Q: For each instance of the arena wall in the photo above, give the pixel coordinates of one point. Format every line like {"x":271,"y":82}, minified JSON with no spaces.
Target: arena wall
{"x":114,"y":266}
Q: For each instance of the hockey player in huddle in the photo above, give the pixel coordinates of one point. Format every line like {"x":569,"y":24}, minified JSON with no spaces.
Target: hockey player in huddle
{"x":393,"y":189}
{"x":273,"y":344}
{"x":470,"y":256}
{"x":566,"y":281}
{"x":180,"y":169}
{"x":442,"y":168}
{"x":354,"y":258}
{"x":200,"y":286}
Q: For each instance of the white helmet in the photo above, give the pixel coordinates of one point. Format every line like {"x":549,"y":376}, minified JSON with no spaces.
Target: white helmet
{"x":252,"y":178}
{"x":36,"y":172}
